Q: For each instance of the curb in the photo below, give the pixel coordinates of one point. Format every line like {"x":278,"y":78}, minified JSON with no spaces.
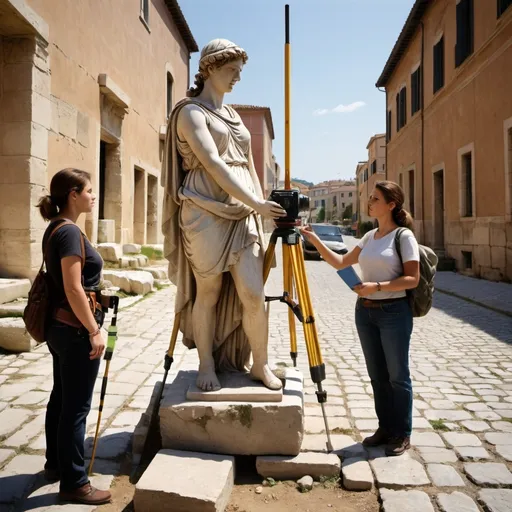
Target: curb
{"x":475,"y":302}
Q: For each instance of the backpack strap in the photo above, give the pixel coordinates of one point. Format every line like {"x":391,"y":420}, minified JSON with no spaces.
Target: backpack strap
{"x":82,"y":244}
{"x":397,"y":243}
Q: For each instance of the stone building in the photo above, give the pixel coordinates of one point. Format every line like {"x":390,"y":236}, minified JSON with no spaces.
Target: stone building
{"x":333,"y":197}
{"x":86,"y":84}
{"x":448,"y":83}
{"x":367,"y":173}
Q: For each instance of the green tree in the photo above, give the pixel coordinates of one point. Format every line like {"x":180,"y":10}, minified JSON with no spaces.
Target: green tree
{"x":321,"y":215}
{"x":347,"y":214}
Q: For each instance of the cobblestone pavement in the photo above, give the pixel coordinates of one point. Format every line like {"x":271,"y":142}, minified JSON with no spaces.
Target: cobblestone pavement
{"x":461,"y":362}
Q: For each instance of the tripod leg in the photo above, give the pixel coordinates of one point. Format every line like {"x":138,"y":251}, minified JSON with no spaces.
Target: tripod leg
{"x":288,"y":288}
{"x":316,"y":364}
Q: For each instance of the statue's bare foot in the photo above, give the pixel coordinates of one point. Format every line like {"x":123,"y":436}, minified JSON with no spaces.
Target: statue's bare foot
{"x":264,"y":373}
{"x":207,"y":379}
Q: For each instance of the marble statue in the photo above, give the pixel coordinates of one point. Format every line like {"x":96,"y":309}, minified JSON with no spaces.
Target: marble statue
{"x":212,"y":226}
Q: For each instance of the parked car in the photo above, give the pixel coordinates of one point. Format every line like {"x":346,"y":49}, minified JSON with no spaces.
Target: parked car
{"x":330,"y":235}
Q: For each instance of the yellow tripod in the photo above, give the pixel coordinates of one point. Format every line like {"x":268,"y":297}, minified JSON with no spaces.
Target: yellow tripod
{"x":294,"y":276}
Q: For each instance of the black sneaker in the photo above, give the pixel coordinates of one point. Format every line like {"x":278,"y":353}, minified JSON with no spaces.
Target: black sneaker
{"x":380,"y":437}
{"x":398,"y":445}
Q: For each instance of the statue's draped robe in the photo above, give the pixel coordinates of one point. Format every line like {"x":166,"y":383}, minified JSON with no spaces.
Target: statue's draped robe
{"x":206,"y":229}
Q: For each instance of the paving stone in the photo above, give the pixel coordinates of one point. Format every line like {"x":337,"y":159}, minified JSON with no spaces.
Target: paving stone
{"x":32,"y":398}
{"x":18,"y":476}
{"x":488,"y":473}
{"x":456,"y":502}
{"x":443,"y":404}
{"x":330,"y":410}
{"x":421,"y":423}
{"x":475,"y":426}
{"x":496,"y":500}
{"x":291,"y":468}
{"x":472,"y":453}
{"x":369,"y":425}
{"x":398,"y":472}
{"x":443,"y":475}
{"x":405,"y":501}
{"x":505,"y":451}
{"x":344,"y":446}
{"x":459,"y":439}
{"x":357,"y":474}
{"x":455,"y":415}
{"x":477,"y":406}
{"x":427,"y":439}
{"x":126,"y":418}
{"x":113,"y":443}
{"x":11,"y":419}
{"x":487,"y":415}
{"x":121,"y":388}
{"x":10,"y":391}
{"x":155,"y":491}
{"x":27,"y":432}
{"x":5,"y":454}
{"x":434,"y":454}
{"x":316,"y":425}
{"x":503,"y":426}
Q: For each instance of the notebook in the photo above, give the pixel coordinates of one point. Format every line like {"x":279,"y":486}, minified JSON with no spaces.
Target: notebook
{"x":349,"y":275}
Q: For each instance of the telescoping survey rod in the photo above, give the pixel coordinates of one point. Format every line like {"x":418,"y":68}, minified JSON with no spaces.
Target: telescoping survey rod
{"x":287,"y":79}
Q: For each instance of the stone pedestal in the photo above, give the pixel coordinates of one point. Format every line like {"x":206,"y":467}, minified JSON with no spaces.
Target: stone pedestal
{"x":231,"y":426}
{"x":106,"y":231}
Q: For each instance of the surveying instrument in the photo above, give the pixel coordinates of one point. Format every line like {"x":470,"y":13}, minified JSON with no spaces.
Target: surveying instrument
{"x":294,"y":270}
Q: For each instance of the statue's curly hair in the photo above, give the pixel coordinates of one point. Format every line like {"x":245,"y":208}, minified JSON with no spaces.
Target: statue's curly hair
{"x":215,"y":54}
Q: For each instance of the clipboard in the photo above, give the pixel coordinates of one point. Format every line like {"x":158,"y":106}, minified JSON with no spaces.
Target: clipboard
{"x":349,"y":275}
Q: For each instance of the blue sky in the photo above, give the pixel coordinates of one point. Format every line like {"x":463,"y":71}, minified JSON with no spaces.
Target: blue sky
{"x":339,"y":48}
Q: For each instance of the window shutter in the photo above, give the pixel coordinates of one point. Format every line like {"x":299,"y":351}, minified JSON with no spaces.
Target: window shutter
{"x":398,"y":126}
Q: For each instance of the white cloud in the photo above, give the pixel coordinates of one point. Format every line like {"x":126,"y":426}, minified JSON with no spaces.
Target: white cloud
{"x":339,"y":109}
{"x":349,"y":108}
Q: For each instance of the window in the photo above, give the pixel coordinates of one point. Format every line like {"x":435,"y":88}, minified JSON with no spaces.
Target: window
{"x":350,"y":194}
{"x":144,"y":11}
{"x":334,"y":201}
{"x":467,"y":260}
{"x":373,"y":168}
{"x":503,"y":5}
{"x":438,"y":65}
{"x":388,"y":127}
{"x":467,"y":185}
{"x":401,"y":108}
{"x":411,"y":192}
{"x":323,"y":203}
{"x":415,"y":91}
{"x":343,"y":205}
{"x":343,"y":194}
{"x":465,"y":31}
{"x":170,"y":84}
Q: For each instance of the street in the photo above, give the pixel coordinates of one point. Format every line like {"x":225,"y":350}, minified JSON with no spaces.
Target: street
{"x":461,"y":361}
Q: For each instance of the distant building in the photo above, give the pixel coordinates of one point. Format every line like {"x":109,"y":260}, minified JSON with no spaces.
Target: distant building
{"x":334,"y":197}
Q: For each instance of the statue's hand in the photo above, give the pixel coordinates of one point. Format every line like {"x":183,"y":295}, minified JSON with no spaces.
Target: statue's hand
{"x":270,"y":209}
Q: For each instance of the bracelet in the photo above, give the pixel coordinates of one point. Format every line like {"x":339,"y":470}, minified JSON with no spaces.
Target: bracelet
{"x":94,"y":333}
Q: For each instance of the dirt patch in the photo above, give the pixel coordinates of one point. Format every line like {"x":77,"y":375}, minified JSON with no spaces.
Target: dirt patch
{"x":122,"y":496}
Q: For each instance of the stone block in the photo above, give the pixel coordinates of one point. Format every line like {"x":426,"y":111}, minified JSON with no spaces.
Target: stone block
{"x":498,"y":438}
{"x":186,"y":482}
{"x":263,"y":428}
{"x":18,"y":476}
{"x":131,"y":249}
{"x":488,"y":473}
{"x":496,"y":500}
{"x":405,"y":501}
{"x":19,"y":49}
{"x":5,"y":454}
{"x":468,"y":229}
{"x":41,"y":110}
{"x":68,"y":118}
{"x":472,"y":453}
{"x":491,"y":274}
{"x":343,"y":446}
{"x":455,"y":233}
{"x":313,"y":464}
{"x":456,"y":502}
{"x":398,"y":472}
{"x":498,"y":258}
{"x":357,"y":474}
{"x":82,"y":129}
{"x":236,"y":387}
{"x":110,"y":252}
{"x":481,"y":235}
{"x":142,"y":261}
{"x":498,"y":235}
{"x":141,"y":282}
{"x":482,"y":255}
{"x":12,"y":289}
{"x":54,"y":114}
{"x":113,"y":443}
{"x":433,"y":454}
{"x":443,"y":475}
{"x":457,"y":439}
{"x":14,"y":337}
{"x":18,"y":76}
{"x":426,"y":439}
{"x":107,"y":232}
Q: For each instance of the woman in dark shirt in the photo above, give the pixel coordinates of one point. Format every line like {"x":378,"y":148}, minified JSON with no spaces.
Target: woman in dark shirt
{"x":76,"y":345}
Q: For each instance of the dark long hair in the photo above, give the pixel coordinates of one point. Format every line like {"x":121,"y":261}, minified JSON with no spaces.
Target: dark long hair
{"x":393,"y":193}
{"x":62,"y":184}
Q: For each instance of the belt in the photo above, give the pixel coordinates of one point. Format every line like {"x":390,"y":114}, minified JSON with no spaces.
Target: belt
{"x":66,"y":316}
{"x":367,"y":303}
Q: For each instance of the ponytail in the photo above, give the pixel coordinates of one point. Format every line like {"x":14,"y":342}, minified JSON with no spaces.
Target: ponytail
{"x":47,"y":208}
{"x":198,"y":86}
{"x":403,"y":218}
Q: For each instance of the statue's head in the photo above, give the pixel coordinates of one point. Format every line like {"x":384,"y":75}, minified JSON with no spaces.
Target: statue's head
{"x":221,"y":62}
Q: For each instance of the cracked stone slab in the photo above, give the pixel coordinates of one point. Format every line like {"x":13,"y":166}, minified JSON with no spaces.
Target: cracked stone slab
{"x":401,"y":501}
{"x":456,"y":502}
{"x":171,"y":482}
{"x":488,"y":473}
{"x":313,"y":464}
{"x":496,"y":500}
{"x":399,"y":472}
{"x":357,"y":474}
{"x":443,"y":475}
{"x":472,"y":453}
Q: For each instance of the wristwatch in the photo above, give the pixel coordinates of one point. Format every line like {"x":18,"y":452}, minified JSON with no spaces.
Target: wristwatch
{"x":379,"y":288}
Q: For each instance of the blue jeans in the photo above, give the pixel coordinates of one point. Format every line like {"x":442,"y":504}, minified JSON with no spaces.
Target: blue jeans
{"x":74,"y":376}
{"x":385,"y":334}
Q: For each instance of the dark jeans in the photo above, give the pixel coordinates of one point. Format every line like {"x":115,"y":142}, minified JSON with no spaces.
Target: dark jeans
{"x":385,"y":335}
{"x":74,"y":375}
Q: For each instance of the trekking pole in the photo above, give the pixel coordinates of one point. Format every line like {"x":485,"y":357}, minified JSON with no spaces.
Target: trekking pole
{"x":109,"y":352}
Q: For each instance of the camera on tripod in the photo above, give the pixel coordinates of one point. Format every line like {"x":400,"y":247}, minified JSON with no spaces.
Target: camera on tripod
{"x":292,"y":201}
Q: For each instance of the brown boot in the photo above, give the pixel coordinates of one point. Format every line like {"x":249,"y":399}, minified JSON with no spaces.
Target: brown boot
{"x":380,"y":437}
{"x":86,"y":494}
{"x":398,"y":445}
